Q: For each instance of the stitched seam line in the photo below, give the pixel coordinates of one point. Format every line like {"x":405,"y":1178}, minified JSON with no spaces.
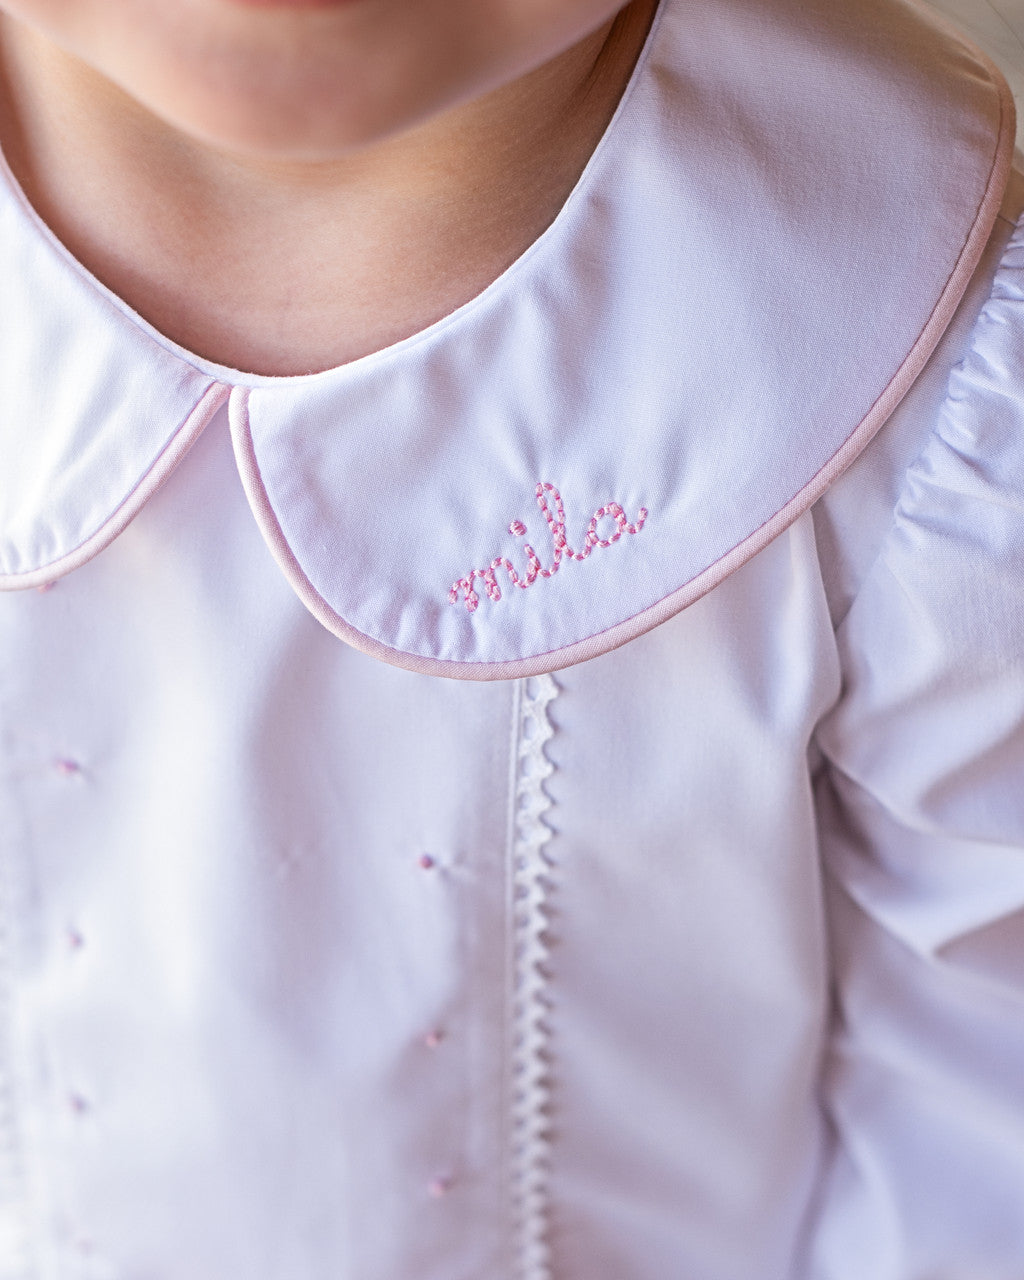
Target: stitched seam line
{"x":929,"y":440}
{"x":531,"y":885}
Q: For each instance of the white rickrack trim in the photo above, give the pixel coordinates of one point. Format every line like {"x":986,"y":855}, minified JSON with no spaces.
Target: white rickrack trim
{"x":530,"y":883}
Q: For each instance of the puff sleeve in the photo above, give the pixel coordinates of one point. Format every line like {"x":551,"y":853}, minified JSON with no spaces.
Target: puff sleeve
{"x":921,"y":804}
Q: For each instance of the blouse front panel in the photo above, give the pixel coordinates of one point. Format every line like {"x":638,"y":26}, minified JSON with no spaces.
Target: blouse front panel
{"x":318,"y":966}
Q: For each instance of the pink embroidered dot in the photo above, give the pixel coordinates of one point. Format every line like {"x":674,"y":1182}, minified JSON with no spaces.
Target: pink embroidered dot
{"x":78,"y":1104}
{"x":433,"y":1038}
{"x":68,"y":768}
{"x":426,"y":861}
{"x":75,"y":940}
{"x":517,"y":528}
{"x":438,"y":1187}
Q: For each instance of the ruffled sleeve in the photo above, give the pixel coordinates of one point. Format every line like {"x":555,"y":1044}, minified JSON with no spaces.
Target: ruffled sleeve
{"x":921,"y":801}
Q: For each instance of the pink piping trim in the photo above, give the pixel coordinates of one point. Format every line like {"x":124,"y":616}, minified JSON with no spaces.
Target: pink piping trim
{"x":604,"y":641}
{"x":160,"y":471}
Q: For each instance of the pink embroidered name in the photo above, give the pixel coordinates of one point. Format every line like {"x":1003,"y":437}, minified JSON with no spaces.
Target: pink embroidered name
{"x":554,"y":514}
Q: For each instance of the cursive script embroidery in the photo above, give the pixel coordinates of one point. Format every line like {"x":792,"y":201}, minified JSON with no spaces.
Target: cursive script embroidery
{"x":553,"y":509}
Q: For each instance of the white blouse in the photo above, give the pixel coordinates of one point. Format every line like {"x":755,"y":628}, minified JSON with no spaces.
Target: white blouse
{"x":680,"y":933}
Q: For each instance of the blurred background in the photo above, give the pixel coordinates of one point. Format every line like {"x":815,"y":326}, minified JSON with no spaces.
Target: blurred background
{"x":998,"y":27}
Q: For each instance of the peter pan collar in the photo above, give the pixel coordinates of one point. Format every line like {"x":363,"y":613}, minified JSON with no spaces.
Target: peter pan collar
{"x":756,"y":264}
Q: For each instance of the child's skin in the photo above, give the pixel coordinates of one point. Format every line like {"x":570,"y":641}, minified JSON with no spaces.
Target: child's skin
{"x":282,"y":187}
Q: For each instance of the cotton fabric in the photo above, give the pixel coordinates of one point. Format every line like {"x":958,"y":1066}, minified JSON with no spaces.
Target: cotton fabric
{"x":699,"y":957}
{"x":737,"y":233}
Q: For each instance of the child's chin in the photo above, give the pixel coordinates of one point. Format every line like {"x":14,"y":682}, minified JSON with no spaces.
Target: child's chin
{"x":309,"y":79}
{"x":297,"y":98}
{"x":277,"y":129}
{"x":293,"y":4}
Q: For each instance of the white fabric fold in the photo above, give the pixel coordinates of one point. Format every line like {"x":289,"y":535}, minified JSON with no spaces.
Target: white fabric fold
{"x":921,"y":808}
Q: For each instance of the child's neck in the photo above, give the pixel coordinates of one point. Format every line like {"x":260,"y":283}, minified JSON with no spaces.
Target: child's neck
{"x":290,"y":267}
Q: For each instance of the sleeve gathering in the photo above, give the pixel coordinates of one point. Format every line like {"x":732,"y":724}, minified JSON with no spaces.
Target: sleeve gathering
{"x":921,"y":813}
